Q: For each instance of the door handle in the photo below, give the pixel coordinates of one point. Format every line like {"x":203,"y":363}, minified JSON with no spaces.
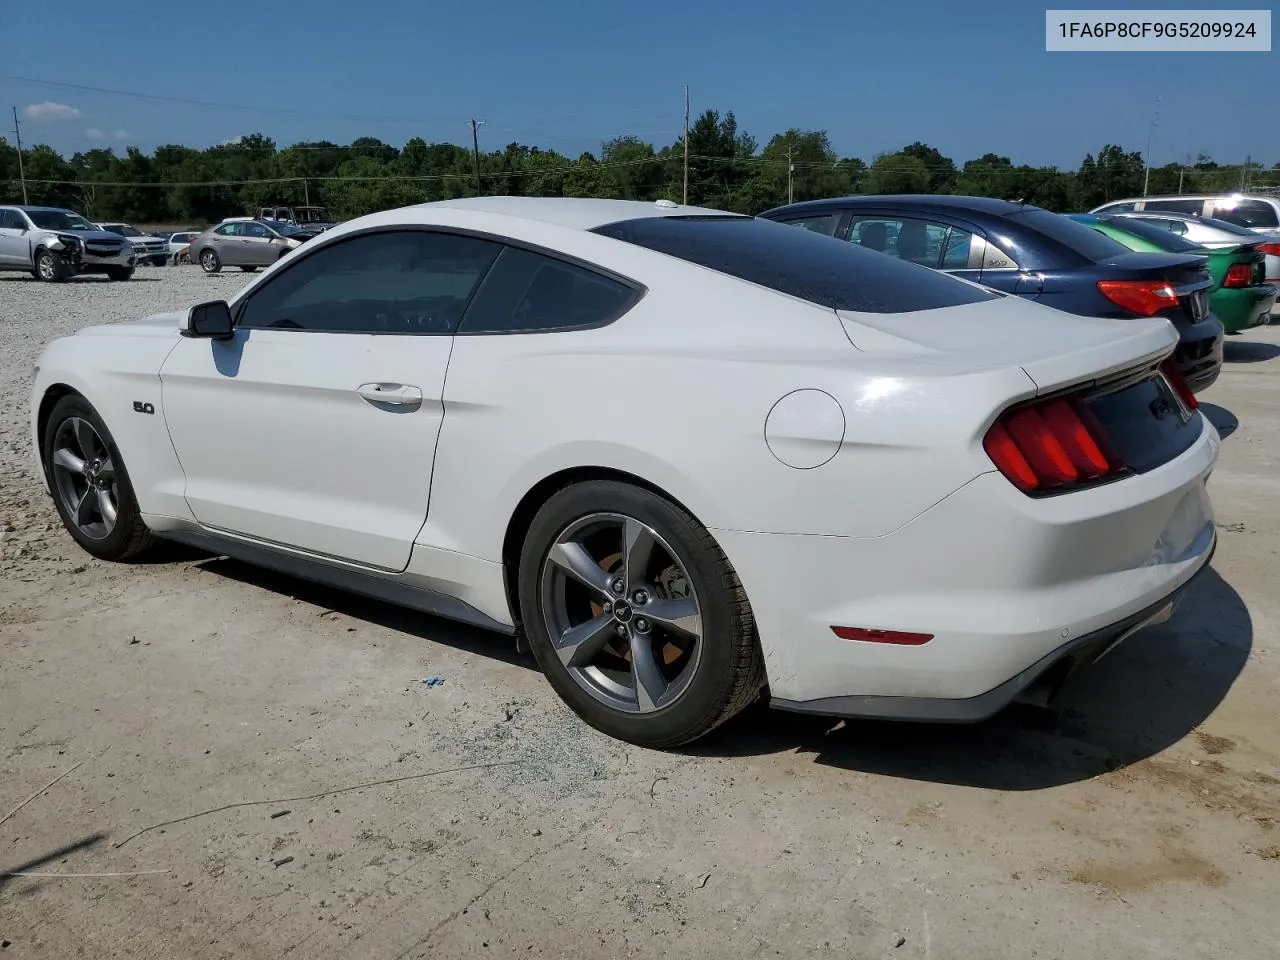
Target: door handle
{"x":395,"y":394}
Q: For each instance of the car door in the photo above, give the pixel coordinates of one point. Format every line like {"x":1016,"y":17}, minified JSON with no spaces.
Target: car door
{"x":314,"y":426}
{"x":14,"y":244}
{"x":256,"y":245}
{"x":225,"y":241}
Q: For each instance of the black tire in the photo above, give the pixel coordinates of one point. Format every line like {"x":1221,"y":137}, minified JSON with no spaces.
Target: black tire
{"x":210,"y":261}
{"x":120,"y":274}
{"x":729,"y":672}
{"x":129,"y":537}
{"x":50,"y":268}
{"x":249,"y":269}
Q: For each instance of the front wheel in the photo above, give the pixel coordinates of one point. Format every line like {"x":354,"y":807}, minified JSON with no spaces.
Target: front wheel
{"x":209,"y":261}
{"x":120,"y":274}
{"x":50,"y":268}
{"x":90,"y":484}
{"x":636,"y":616}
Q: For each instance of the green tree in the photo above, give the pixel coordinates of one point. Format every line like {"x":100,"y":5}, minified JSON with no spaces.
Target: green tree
{"x":897,"y":173}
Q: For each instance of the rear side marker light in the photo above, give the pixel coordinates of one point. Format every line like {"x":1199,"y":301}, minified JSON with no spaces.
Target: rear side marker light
{"x":882,"y":636}
{"x":1238,"y":275}
{"x":1051,"y":444}
{"x":1143,"y":297}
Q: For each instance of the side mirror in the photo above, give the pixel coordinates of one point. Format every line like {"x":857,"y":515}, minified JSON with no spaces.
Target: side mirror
{"x":210,"y":320}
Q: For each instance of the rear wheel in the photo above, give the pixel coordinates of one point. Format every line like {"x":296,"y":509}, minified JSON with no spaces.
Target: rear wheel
{"x":209,"y":261}
{"x":636,"y":616}
{"x":90,"y":484}
{"x":51,"y":268}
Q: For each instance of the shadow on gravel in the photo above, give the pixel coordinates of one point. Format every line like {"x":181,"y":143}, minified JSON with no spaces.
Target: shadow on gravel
{"x":1147,"y":694}
{"x":92,"y":278}
{"x":460,"y":636}
{"x":1223,"y":419}
{"x":1249,"y":351}
{"x":36,"y":863}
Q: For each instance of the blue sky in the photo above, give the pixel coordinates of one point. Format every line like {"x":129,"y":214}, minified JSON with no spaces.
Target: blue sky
{"x":965,"y":78}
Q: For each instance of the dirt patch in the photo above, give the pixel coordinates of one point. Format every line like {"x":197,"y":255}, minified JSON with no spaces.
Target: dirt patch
{"x":1172,"y":866}
{"x":1214,"y":745}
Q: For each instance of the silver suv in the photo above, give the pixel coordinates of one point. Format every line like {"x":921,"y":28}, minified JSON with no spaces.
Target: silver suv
{"x":1253,"y":211}
{"x":147,"y":248}
{"x":54,"y":244}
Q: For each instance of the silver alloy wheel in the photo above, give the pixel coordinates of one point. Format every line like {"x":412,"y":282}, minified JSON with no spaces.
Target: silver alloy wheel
{"x":85,"y":478}
{"x":622,"y":612}
{"x":46,"y":266}
{"x":208,"y":260}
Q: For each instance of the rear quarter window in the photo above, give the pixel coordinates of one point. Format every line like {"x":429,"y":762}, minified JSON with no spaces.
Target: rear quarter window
{"x":800,"y":263}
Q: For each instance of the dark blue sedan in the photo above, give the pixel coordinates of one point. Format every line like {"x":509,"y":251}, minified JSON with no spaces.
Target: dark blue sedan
{"x":1028,"y":251}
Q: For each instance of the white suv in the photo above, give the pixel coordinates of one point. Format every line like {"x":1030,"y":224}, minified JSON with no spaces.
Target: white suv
{"x":1253,"y":211}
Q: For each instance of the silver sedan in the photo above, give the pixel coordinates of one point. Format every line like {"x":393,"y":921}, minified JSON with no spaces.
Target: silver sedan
{"x":247,"y":244}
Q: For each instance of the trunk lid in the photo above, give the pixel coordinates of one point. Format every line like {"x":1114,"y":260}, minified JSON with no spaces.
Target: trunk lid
{"x":1055,"y":349}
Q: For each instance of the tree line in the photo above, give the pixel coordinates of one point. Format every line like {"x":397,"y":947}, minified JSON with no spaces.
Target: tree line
{"x":727,"y":169}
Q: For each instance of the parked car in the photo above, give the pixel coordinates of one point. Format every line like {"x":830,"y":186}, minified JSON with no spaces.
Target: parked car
{"x":1241,"y":297}
{"x":179,"y":244}
{"x":308,"y":217}
{"x":853,"y":483}
{"x":53,"y":244}
{"x":146,"y":248}
{"x":247,"y":244}
{"x":1027,"y":251}
{"x":1257,"y":212}
{"x":1213,"y":233}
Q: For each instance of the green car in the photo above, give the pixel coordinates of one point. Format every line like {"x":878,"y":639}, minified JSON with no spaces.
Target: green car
{"x":1241,"y":298}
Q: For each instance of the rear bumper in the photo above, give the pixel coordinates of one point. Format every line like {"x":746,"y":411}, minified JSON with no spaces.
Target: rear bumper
{"x":1243,"y":307}
{"x":1051,"y":670}
{"x":1007,"y":586}
{"x":1200,"y":361}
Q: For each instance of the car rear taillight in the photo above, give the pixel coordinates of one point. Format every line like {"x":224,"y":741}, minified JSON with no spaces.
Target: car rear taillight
{"x":1179,"y":384}
{"x":1143,"y":297}
{"x":1238,"y":275}
{"x":1051,"y":444}
{"x":1270,"y":249}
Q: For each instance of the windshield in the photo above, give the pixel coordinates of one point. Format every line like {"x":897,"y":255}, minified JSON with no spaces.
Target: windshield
{"x":59,"y":220}
{"x":1166,"y":241}
{"x":823,"y":270}
{"x":285,"y":229}
{"x":124,"y":230}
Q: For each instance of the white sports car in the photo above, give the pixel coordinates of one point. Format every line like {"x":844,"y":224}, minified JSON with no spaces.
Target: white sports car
{"x":690,"y":456}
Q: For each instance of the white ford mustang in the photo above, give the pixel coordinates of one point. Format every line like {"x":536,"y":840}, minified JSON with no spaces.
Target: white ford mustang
{"x":690,"y":456}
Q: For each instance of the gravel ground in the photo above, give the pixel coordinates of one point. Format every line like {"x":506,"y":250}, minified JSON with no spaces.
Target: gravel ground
{"x":1140,"y":823}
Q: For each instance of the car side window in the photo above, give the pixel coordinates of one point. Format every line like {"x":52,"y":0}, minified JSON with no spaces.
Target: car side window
{"x":824,"y":224}
{"x":906,"y":238}
{"x":1176,"y":206}
{"x":956,"y":253}
{"x":256,"y":230}
{"x":227,"y":230}
{"x":1246,"y":213}
{"x":527,"y":292}
{"x":10,"y":220}
{"x":1173,"y":226}
{"x":400,"y":282}
{"x":1121,"y":207}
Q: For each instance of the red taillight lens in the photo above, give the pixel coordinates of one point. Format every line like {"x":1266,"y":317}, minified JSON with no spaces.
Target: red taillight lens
{"x":1055,"y":443}
{"x":1179,"y":385}
{"x":1144,"y":297}
{"x":1270,"y":249}
{"x":1238,"y":275}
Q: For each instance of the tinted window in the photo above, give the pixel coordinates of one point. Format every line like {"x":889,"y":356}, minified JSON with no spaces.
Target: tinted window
{"x":255,"y":230}
{"x":527,"y":291}
{"x":228,"y":230}
{"x":1153,"y":234}
{"x":1246,"y":213}
{"x":1085,"y":241}
{"x":903,"y":237}
{"x":59,"y":220}
{"x":393,"y":282}
{"x":11,"y":220}
{"x":1176,"y":206}
{"x":825,"y":224}
{"x":841,"y":276}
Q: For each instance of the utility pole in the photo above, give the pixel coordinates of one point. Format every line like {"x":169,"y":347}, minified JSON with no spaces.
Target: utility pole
{"x":1244,"y":173}
{"x":790,"y":168}
{"x":1182,"y":171}
{"x":1146,"y":157}
{"x":475,"y":148}
{"x":686,"y":144}
{"x":21,"y":175}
